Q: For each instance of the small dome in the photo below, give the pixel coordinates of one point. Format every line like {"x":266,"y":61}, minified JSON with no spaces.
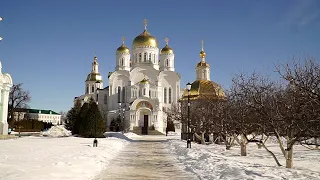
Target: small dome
{"x":203,"y":64}
{"x":123,"y":49}
{"x":94,"y":77}
{"x":205,"y":89}
{"x":145,"y":39}
{"x":166,"y":50}
{"x":144,"y":81}
{"x":202,"y":54}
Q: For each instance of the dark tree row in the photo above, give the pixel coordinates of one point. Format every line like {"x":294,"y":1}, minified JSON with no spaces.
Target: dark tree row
{"x":85,"y":120}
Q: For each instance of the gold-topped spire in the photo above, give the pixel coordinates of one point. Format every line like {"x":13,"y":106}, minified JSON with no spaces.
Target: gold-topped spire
{"x":202,"y":44}
{"x":123,"y":48}
{"x":166,"y":40}
{"x":202,"y":53}
{"x":145,"y":23}
{"x":123,"y":39}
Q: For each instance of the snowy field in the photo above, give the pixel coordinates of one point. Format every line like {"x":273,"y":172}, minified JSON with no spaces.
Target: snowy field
{"x":37,"y":158}
{"x":214,"y":162}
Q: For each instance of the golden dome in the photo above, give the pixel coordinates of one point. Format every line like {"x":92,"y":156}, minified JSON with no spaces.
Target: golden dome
{"x":94,"y":77}
{"x":205,"y":89}
{"x":144,"y":81}
{"x":123,"y":49}
{"x":145,"y":39}
{"x":203,"y":64}
{"x":166,"y":50}
{"x":202,"y":54}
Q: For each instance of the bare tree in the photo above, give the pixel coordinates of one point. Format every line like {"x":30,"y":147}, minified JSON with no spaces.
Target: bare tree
{"x":18,"y":98}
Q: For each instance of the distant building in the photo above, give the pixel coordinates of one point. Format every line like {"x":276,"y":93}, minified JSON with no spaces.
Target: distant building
{"x":48,"y":116}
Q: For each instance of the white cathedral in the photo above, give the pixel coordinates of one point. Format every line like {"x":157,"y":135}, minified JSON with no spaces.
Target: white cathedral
{"x":144,"y":84}
{"x":142,"y":87}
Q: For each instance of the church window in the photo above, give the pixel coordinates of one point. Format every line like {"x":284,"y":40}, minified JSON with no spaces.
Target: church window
{"x":144,"y":91}
{"x":119,"y":94}
{"x":145,"y":57}
{"x":150,"y":57}
{"x":165,"y":95}
{"x":105,"y":100}
{"x":149,"y":93}
{"x":87,"y":89}
{"x":92,"y":89}
{"x":167,"y":62}
{"x":140,"y":56}
{"x":169,"y":95}
{"x":122,"y":62}
{"x":123,"y":94}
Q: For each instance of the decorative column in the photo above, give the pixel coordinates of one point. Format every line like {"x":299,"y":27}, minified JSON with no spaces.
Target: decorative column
{"x":5,"y":85}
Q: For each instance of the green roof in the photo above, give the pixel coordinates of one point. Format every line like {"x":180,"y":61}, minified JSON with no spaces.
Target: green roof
{"x":41,"y":111}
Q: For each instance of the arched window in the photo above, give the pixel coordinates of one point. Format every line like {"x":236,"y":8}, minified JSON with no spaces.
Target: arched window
{"x":169,"y":95}
{"x":165,"y":95}
{"x":167,"y":62}
{"x":87,"y":89}
{"x":92,"y":89}
{"x":122,"y":62}
{"x":145,"y":57}
{"x":123,"y":94}
{"x":144,"y":91}
{"x":150,"y":57}
{"x":140,"y":56}
{"x":105,"y":100}
{"x":119,"y":94}
{"x":149,"y":93}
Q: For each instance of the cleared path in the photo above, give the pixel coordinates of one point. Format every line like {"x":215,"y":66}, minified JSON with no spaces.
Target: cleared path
{"x":145,"y":159}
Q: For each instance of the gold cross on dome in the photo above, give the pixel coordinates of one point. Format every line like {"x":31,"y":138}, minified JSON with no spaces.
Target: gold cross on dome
{"x":145,"y":22}
{"x":123,"y":39}
{"x":202,"y":44}
{"x":166,"y":40}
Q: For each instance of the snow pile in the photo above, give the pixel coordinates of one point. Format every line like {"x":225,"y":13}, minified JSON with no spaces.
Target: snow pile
{"x":214,"y":162}
{"x":131,"y":135}
{"x":56,"y":158}
{"x":56,"y":131}
{"x":118,"y":135}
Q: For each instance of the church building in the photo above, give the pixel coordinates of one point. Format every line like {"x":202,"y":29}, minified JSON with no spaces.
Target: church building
{"x":142,"y":87}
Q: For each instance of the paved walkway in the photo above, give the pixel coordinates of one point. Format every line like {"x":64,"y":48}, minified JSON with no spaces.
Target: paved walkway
{"x":145,"y":159}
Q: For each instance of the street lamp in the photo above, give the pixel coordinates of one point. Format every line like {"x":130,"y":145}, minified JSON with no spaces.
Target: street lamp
{"x":95,"y":141}
{"x":120,"y":115}
{"x":188,"y":125}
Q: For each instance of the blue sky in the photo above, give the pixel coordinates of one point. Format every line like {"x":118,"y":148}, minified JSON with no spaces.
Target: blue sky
{"x":49,"y":45}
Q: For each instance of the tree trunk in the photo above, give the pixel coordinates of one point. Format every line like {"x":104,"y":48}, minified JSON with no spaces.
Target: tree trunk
{"x":289,"y":163}
{"x":202,"y":138}
{"x":243,"y":146}
{"x":270,"y":152}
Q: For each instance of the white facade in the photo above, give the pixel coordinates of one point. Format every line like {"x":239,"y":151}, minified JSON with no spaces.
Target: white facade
{"x":143,"y":85}
{"x":47,"y":116}
{"x":5,"y":85}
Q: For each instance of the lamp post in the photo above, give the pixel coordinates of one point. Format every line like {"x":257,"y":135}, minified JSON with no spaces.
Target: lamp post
{"x":0,"y":36}
{"x":120,"y":115}
{"x":95,"y":141}
{"x":188,"y":125}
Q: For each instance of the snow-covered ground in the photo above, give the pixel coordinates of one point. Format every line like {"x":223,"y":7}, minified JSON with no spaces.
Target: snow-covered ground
{"x":214,"y":162}
{"x":36,"y":158}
